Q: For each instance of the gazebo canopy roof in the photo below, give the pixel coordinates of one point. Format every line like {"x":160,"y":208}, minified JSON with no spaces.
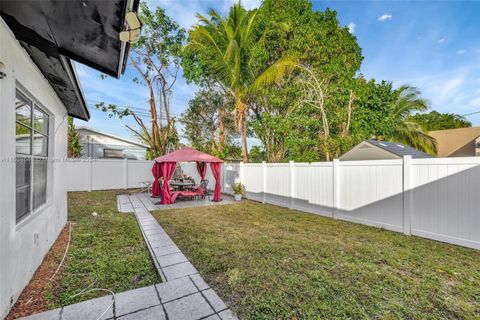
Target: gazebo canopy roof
{"x":187,"y":154}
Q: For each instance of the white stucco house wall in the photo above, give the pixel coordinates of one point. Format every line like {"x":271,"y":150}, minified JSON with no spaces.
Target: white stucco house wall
{"x":101,"y":145}
{"x":24,"y":243}
{"x":39,"y":88}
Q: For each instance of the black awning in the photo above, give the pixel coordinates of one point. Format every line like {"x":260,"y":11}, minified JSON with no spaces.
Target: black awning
{"x":53,"y":32}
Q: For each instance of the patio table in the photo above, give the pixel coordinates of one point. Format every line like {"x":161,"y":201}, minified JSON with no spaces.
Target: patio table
{"x":182,"y":184}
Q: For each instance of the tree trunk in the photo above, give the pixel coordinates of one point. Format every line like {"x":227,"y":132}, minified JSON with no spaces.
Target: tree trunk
{"x":221,"y":130}
{"x":244,"y":141}
{"x":213,"y":142}
{"x":346,"y":128}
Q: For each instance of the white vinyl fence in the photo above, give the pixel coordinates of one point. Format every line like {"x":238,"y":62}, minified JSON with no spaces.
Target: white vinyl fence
{"x":105,"y":174}
{"x":435,"y":198}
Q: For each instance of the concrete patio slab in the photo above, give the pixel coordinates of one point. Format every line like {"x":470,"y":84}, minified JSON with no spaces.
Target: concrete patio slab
{"x":158,"y":237}
{"x":161,"y":244}
{"x":90,"y":309}
{"x":191,"y":307}
{"x":171,"y":259}
{"x":162,"y":251}
{"x":154,"y":313}
{"x":179,"y":270}
{"x":176,"y":289}
{"x":198,"y":281}
{"x":214,"y":300}
{"x":133,"y":300}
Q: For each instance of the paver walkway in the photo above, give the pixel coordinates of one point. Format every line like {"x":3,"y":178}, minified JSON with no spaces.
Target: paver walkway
{"x":182,"y":295}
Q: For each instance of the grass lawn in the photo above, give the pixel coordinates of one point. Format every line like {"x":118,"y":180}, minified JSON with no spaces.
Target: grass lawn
{"x":106,"y":251}
{"x":269,"y":262}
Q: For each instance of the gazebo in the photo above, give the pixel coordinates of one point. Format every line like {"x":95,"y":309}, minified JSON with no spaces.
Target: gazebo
{"x":164,"y":166}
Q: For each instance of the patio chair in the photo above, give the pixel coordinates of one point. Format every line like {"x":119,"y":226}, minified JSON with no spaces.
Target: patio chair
{"x":203,"y":185}
{"x":145,"y":186}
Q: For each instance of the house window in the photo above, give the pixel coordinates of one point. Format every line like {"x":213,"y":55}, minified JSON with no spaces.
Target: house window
{"x":112,"y":153}
{"x":32,"y":151}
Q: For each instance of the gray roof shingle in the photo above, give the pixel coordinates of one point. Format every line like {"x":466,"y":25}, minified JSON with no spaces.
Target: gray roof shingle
{"x":399,"y":149}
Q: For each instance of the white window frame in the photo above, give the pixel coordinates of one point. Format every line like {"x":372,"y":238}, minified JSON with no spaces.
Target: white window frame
{"x":35,"y":104}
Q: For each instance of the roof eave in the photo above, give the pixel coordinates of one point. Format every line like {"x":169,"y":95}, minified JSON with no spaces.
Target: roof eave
{"x":72,"y":74}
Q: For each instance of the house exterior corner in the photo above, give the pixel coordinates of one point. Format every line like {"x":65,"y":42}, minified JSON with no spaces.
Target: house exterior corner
{"x":25,"y":240}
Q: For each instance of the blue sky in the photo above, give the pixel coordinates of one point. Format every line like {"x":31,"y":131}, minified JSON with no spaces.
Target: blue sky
{"x":433,"y":45}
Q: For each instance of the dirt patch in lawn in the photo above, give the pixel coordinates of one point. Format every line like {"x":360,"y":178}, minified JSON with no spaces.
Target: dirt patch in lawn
{"x":32,"y":299}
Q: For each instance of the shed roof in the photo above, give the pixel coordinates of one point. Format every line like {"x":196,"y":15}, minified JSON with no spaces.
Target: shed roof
{"x":399,"y":149}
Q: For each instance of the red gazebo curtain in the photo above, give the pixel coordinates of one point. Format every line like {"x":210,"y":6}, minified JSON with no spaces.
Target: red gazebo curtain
{"x":202,"y":169}
{"x":216,"y":168}
{"x":167,"y":171}
{"x":157,"y":174}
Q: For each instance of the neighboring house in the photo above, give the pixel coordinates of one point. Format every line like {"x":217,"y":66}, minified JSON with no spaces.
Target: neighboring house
{"x":380,"y":150}
{"x":38,"y":89}
{"x":463,"y":142}
{"x":99,"y":145}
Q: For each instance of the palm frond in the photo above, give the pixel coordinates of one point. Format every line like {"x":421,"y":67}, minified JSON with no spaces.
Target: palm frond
{"x":412,"y":134}
{"x":249,"y":29}
{"x":275,"y":73}
{"x":409,"y":101}
{"x":201,"y":34}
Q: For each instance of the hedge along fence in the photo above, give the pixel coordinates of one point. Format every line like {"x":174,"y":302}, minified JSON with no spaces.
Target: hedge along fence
{"x":433,"y":198}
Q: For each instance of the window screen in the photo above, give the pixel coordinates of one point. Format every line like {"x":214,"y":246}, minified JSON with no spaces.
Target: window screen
{"x":31,"y":169}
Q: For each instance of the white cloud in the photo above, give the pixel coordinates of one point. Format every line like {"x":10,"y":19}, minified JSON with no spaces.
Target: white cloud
{"x":351,"y":27}
{"x":441,"y":40}
{"x":385,"y":17}
{"x":455,"y":90}
{"x":461,"y":51}
{"x":449,"y":89}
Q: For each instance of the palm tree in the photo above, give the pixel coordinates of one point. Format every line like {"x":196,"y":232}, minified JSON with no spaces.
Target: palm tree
{"x":226,"y":43}
{"x":405,"y":130}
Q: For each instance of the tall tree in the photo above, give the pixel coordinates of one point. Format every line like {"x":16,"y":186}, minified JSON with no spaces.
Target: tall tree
{"x":209,"y":123}
{"x":331,"y":55}
{"x":435,"y":120}
{"x":156,"y":57}
{"x":226,"y":44}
